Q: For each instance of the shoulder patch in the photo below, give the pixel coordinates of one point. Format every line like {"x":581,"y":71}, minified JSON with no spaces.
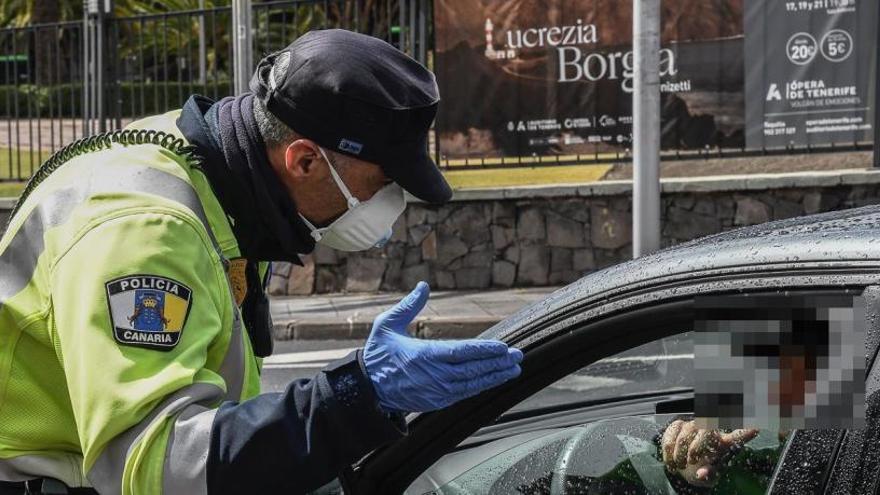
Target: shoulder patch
{"x":148,"y":311}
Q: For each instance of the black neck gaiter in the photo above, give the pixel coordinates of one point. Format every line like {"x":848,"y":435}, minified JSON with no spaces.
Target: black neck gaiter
{"x":264,"y":218}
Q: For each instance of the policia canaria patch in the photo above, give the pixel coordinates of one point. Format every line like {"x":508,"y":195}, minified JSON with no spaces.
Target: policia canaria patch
{"x":148,"y":311}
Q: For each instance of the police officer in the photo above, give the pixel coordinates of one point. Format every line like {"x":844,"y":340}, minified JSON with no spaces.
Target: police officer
{"x":132,"y":310}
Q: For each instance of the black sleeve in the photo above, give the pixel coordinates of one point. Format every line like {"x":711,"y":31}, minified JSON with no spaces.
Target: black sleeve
{"x":299,"y":440}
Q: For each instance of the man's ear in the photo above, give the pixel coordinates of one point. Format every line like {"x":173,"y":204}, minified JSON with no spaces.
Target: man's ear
{"x":302,"y":160}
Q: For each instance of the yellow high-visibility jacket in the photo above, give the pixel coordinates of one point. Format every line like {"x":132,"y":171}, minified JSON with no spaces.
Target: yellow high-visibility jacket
{"x":119,"y":334}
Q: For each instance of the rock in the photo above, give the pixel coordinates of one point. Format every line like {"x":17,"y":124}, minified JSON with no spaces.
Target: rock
{"x":412,"y":275}
{"x":606,"y":257}
{"x":398,"y":230}
{"x":609,"y":229}
{"x":684,"y":225}
{"x":281,"y":268}
{"x":416,"y":215}
{"x":530,"y":224}
{"x":750,"y":211}
{"x":790,"y":195}
{"x":534,"y":266}
{"x":473,"y":278}
{"x":277,"y":285}
{"x":726,"y":208}
{"x":582,"y":260}
{"x":431,"y":215}
{"x":302,"y":278}
{"x":502,"y":236}
{"x":572,"y":209}
{"x":822,"y":201}
{"x":686,"y":201}
{"x":704,"y":207}
{"x":445,"y":280}
{"x":392,"y":280}
{"x":418,"y":233}
{"x":511,"y":254}
{"x":413,"y":256}
{"x":563,"y":277}
{"x":503,"y":273}
{"x":504,"y":214}
{"x":560,"y":260}
{"x":471,"y":222}
{"x":444,"y":211}
{"x":474,"y":259}
{"x":392,"y":251}
{"x":622,"y":204}
{"x":455,"y":265}
{"x":325,"y":255}
{"x":786,"y":209}
{"x":364,"y":274}
{"x":429,"y":246}
{"x":812,"y":202}
{"x":562,"y":232}
{"x":449,"y":247}
{"x":327,"y":280}
{"x":859,"y":196}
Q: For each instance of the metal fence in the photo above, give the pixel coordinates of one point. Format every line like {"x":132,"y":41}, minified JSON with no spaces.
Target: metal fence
{"x":62,"y":81}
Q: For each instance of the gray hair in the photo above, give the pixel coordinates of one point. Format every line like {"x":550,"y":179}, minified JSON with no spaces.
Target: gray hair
{"x":274,"y":131}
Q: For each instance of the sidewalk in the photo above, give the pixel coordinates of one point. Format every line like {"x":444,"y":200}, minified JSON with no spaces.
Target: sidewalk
{"x":451,"y":314}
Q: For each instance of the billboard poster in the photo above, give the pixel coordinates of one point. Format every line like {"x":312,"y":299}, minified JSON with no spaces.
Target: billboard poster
{"x":532,"y":78}
{"x":809,"y":71}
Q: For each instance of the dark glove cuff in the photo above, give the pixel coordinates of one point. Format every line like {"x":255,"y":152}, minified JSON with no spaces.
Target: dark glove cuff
{"x":353,"y":388}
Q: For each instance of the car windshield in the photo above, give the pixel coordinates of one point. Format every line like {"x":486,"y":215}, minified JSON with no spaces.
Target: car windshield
{"x":660,"y":365}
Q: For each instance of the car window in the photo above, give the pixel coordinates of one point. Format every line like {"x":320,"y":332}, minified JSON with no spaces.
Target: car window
{"x":663,"y":364}
{"x":619,"y":453}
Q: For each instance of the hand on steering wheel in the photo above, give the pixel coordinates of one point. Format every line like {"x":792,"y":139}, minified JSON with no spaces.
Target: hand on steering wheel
{"x":696,"y":453}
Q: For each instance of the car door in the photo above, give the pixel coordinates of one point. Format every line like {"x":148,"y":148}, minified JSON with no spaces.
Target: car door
{"x":573,"y":336}
{"x":856,"y":461}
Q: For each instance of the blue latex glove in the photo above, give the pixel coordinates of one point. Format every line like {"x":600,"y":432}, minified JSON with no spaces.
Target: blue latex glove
{"x":414,"y":375}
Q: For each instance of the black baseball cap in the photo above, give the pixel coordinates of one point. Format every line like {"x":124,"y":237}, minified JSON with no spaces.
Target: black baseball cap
{"x":360,"y":96}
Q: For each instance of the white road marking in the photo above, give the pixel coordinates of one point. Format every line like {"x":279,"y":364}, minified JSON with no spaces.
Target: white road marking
{"x":309,"y":359}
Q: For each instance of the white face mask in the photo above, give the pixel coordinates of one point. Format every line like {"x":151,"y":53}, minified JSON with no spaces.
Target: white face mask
{"x":366,"y":224}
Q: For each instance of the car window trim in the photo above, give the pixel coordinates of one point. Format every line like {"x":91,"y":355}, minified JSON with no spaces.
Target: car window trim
{"x":790,"y":276}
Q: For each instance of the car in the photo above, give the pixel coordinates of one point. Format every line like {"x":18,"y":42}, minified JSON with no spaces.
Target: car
{"x":608,"y":363}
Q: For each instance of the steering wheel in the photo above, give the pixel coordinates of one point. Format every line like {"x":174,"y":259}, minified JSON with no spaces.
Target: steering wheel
{"x":599,"y":449}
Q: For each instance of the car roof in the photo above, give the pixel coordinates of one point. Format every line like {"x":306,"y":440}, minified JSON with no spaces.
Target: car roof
{"x":828,"y":239}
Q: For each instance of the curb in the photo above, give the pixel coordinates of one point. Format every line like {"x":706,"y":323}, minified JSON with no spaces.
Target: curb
{"x":425,"y":328}
{"x":702,"y":184}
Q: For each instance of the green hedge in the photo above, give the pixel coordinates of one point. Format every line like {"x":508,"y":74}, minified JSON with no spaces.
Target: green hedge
{"x":125,"y":100}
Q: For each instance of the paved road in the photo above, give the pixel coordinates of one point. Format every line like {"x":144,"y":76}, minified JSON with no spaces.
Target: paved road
{"x":301,"y":359}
